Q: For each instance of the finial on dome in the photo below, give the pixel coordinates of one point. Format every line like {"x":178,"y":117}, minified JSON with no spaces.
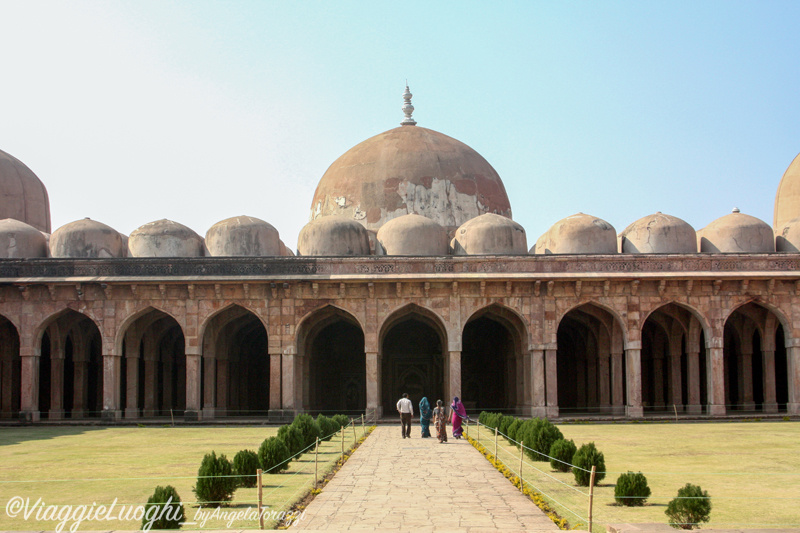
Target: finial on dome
{"x":735,"y":210}
{"x":408,"y":109}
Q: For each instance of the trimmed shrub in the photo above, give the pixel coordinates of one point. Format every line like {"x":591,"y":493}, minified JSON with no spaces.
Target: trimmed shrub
{"x":245,"y":465}
{"x":163,"y":510}
{"x":561,"y":453}
{"x":273,"y":455}
{"x":541,"y":438}
{"x":513,"y":428}
{"x":308,"y":427}
{"x":341,"y":421}
{"x":631,"y":489}
{"x":327,"y":427}
{"x":504,"y":422}
{"x":292,"y":438}
{"x":691,"y":507}
{"x":215,"y":481}
{"x":525,"y":431}
{"x":583,"y":460}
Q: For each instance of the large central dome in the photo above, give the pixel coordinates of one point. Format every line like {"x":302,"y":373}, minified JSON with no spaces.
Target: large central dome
{"x":410,"y":170}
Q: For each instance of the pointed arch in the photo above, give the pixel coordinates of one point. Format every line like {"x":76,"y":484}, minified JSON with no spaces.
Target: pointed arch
{"x":10,"y":369}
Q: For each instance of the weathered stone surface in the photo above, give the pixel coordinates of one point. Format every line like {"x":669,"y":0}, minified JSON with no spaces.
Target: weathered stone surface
{"x":86,"y":239}
{"x":20,"y":240}
{"x":787,"y":198}
{"x":333,"y":236}
{"x":243,"y":236}
{"x":658,"y":234}
{"x":164,"y":238}
{"x":787,"y":237}
{"x":410,"y":170}
{"x":490,"y":234}
{"x":413,"y":234}
{"x":736,"y":233}
{"x":578,"y":234}
{"x":23,"y":196}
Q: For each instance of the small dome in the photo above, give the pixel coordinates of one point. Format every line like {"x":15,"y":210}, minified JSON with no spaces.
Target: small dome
{"x":659,"y":234}
{"x":86,"y":238}
{"x":333,"y":236}
{"x":737,"y":233}
{"x":788,"y":237}
{"x":164,"y":238}
{"x":578,"y":234}
{"x":413,"y":235}
{"x":23,"y":196}
{"x":243,"y":236}
{"x":20,"y":240}
{"x":490,"y":234}
{"x":286,"y":251}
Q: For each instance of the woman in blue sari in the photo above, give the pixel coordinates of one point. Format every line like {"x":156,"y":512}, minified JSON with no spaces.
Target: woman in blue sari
{"x":425,"y":414}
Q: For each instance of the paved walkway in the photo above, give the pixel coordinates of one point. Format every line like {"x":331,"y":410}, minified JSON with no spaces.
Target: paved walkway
{"x":421,"y":485}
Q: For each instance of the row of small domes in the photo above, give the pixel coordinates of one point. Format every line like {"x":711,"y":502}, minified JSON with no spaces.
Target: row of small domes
{"x":412,"y":235}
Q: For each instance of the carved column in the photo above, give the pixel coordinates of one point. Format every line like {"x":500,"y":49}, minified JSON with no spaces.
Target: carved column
{"x":193,"y":392}
{"x":209,"y":385}
{"x":592,"y":397}
{"x":454,"y":383}
{"x":617,"y":384}
{"x":167,"y":368}
{"x":693,"y":382}
{"x":768,"y":365}
{"x":112,"y":365}
{"x":551,"y":380}
{"x":56,"y":411}
{"x":537,"y":379}
{"x":633,"y":361}
{"x":716,"y":381}
{"x":288,"y":385}
{"x":150,"y":383}
{"x":604,"y":382}
{"x":745,"y":379}
{"x":29,"y":377}
{"x":274,"y":381}
{"x":373,"y":380}
{"x":793,"y":371}
{"x":222,"y":387}
{"x":657,"y":363}
{"x":80,"y":364}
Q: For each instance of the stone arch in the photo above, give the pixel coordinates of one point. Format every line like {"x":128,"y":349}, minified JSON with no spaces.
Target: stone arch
{"x":606,"y":314}
{"x":590,"y":340}
{"x":132,"y":317}
{"x":754,"y":355}
{"x":414,"y":338}
{"x":153,"y":371}
{"x":235,"y":376}
{"x":494,"y":352}
{"x":332,"y":362}
{"x":69,"y":345}
{"x":10,"y":369}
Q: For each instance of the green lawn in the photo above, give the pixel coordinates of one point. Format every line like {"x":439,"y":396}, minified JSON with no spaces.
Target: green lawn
{"x":751,"y":470}
{"x":84,"y":466}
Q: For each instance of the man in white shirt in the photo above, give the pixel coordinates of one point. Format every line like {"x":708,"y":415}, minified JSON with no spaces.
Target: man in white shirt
{"x":406,"y":410}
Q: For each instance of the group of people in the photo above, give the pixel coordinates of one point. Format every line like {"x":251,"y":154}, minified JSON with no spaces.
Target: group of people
{"x":437,"y":415}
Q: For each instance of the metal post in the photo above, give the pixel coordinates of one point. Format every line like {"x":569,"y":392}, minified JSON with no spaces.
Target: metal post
{"x":260,"y":500}
{"x":591,"y":496}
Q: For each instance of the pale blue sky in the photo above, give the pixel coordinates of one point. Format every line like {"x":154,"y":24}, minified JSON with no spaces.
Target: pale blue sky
{"x":198,"y":111}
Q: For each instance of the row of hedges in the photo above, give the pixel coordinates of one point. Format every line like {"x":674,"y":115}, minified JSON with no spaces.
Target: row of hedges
{"x":544,"y":441}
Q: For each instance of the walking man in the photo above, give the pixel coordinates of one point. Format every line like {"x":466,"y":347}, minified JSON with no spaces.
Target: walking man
{"x":406,"y":410}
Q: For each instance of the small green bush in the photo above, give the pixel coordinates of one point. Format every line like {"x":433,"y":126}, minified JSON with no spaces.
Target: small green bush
{"x":583,"y":460}
{"x":540,"y":438}
{"x":273,"y":456}
{"x":341,"y":421}
{"x":513,"y":428}
{"x":691,"y":507}
{"x":504,"y":422}
{"x":524,"y":431}
{"x":163,"y":510}
{"x":631,"y":489}
{"x":327,"y":427}
{"x":561,"y":453}
{"x":292,"y":437}
{"x":215,"y":481}
{"x":245,"y":465}
{"x":308,"y":427}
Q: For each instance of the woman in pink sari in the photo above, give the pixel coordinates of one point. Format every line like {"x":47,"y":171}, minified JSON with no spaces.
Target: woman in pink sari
{"x":459,"y":414}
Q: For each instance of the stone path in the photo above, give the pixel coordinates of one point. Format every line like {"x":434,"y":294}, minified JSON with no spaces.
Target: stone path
{"x":421,"y":485}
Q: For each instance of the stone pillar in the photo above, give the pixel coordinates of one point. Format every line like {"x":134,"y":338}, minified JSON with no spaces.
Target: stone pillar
{"x":193,"y":392}
{"x":29,"y":377}
{"x":132,"y":385}
{"x":56,"y":411}
{"x":288,"y":384}
{"x":222,"y":387}
{"x":676,"y":381}
{"x":454,"y":383}
{"x":745,"y":379}
{"x":274,"y":382}
{"x":209,"y":386}
{"x":693,"y":382}
{"x":604,"y":382}
{"x":373,"y":385}
{"x":617,"y":384}
{"x":6,"y":384}
{"x":538,"y":388}
{"x":793,"y":374}
{"x":80,"y":386}
{"x":150,"y":381}
{"x":658,"y":378}
{"x":768,"y":365}
{"x":592,"y":396}
{"x":633,"y":361}
{"x":167,"y":369}
{"x":715,"y":373}
{"x":112,"y":365}
{"x":551,"y":380}
{"x":520,"y":402}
